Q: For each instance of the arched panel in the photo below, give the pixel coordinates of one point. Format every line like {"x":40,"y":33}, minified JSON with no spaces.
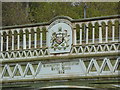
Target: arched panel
{"x":21,"y":39}
{"x":27,"y":37}
{"x":109,"y":30}
{"x":38,"y":36}
{"x":4,"y":41}
{"x":59,"y":37}
{"x":83,"y":33}
{"x":78,"y":32}
{"x":117,"y":32}
{"x":96,"y":32}
{"x":90,"y":32}
{"x":32,"y":38}
{"x":15,"y":39}
{"x":103,"y":31}
{"x":44,"y":36}
{"x":10,"y":40}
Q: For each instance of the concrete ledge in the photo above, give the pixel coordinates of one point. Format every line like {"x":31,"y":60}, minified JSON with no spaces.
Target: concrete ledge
{"x":99,"y":77}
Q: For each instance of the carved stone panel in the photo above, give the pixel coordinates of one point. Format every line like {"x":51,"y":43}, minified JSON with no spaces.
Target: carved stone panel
{"x":59,"y":37}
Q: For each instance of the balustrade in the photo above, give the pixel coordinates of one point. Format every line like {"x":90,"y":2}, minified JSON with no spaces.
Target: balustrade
{"x":34,"y":36}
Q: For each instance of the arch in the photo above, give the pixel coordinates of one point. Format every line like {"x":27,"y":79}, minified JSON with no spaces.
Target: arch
{"x":90,"y":27}
{"x":60,"y":17}
{"x":10,"y":40}
{"x":59,"y":36}
{"x":96,"y":31}
{"x":109,"y":30}
{"x":103,"y":25}
{"x":21,"y":39}
{"x":44,"y":30}
{"x":117,"y":32}
{"x":83,"y":33}
{"x":4,"y":40}
{"x":38,"y":36}
{"x":32,"y":37}
{"x":15,"y":39}
{"x":27,"y":36}
{"x":78,"y":32}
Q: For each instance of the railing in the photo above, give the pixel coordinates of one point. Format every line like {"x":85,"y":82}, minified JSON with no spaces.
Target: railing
{"x":91,"y":35}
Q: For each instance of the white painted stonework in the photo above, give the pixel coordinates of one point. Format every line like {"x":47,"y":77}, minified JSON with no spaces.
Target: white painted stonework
{"x":59,"y":38}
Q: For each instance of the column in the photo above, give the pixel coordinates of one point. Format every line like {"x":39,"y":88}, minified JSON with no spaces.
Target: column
{"x":119,"y":32}
{"x":46,"y":37}
{"x":113,"y":33}
{"x":35,"y":38}
{"x":41,"y":37}
{"x":74,"y":36}
{"x":87,"y":35}
{"x":106,"y":35}
{"x":29,"y":39}
{"x":7,"y":41}
{"x":100,"y":33}
{"x":93,"y":35}
{"x":18,"y":40}
{"x":12,"y":39}
{"x":80,"y":35}
{"x":24,"y":39}
{"x":1,"y":41}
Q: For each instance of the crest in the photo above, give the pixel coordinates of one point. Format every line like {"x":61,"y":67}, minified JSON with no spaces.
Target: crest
{"x":59,"y":37}
{"x":59,"y":40}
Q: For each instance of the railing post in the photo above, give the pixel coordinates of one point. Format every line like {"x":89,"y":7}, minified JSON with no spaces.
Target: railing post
{"x":24,"y":39}
{"x":13,"y":39}
{"x":35,"y":37}
{"x":1,"y":41}
{"x":46,"y":35}
{"x":119,"y":31}
{"x":86,"y":33}
{"x":113,"y":31}
{"x":106,"y":35}
{"x":18,"y":40}
{"x":93,"y":34}
{"x":80,"y":34}
{"x":41,"y":37}
{"x":7,"y":41}
{"x":100,"y":33}
{"x":29,"y":39}
{"x":74,"y":34}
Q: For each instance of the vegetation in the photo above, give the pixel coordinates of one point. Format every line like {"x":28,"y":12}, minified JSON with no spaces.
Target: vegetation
{"x":15,"y":13}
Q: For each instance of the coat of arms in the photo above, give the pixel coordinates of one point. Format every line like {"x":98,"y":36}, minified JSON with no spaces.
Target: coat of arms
{"x":60,"y":39}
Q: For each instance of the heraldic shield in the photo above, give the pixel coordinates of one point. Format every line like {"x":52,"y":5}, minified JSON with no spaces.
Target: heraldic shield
{"x":59,"y":38}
